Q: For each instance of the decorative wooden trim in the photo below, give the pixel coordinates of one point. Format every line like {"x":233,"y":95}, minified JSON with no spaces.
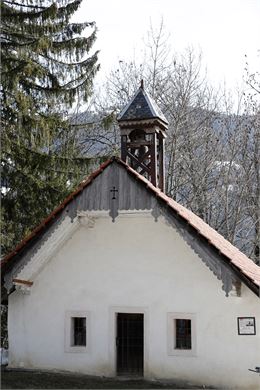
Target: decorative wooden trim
{"x":141,"y":122}
{"x":237,"y":287}
{"x":123,"y":147}
{"x":21,"y":281}
{"x":203,"y":249}
{"x":114,"y":193}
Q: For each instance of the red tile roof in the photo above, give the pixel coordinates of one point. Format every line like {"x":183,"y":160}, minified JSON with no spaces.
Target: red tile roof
{"x":236,"y":258}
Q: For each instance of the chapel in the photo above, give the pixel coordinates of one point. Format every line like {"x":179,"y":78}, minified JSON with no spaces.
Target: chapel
{"x":121,"y":280}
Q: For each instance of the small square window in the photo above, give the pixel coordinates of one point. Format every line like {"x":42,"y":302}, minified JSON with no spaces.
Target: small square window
{"x":78,"y":334}
{"x":77,"y":331}
{"x":182,"y":333}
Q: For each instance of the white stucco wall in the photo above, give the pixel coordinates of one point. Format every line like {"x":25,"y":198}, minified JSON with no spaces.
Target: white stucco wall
{"x":134,"y":265}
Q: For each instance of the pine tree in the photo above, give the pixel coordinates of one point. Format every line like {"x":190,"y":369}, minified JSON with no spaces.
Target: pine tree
{"x":46,"y":66}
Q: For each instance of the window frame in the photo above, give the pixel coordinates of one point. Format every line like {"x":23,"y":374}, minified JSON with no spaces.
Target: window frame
{"x":171,"y":334}
{"x":69,"y":315}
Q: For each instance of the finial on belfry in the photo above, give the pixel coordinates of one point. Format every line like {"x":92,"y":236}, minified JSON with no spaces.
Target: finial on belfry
{"x":142,"y":84}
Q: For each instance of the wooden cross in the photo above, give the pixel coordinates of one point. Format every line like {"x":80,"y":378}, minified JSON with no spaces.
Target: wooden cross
{"x":114,"y":192}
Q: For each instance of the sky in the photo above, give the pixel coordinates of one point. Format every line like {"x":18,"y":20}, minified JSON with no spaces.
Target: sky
{"x":223,"y":30}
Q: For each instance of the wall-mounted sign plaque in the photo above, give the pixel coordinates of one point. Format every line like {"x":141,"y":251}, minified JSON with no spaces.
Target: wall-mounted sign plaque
{"x":246,"y":325}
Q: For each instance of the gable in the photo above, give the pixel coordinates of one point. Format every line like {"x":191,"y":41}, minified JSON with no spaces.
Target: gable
{"x":116,"y":187}
{"x":126,"y":256}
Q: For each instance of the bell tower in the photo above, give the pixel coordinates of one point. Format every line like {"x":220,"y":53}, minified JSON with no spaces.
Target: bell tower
{"x":143,"y":131}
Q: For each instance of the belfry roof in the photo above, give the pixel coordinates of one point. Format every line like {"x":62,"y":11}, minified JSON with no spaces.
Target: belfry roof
{"x":141,"y":106}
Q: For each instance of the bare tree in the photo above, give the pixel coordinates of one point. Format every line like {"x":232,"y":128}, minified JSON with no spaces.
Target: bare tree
{"x":252,"y":105}
{"x":212,"y":148}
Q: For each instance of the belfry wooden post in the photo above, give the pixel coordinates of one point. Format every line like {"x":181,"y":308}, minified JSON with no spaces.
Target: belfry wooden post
{"x":161,"y":154}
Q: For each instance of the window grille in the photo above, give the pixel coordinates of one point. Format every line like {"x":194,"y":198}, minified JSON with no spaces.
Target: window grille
{"x":79,"y":331}
{"x":183,"y":334}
